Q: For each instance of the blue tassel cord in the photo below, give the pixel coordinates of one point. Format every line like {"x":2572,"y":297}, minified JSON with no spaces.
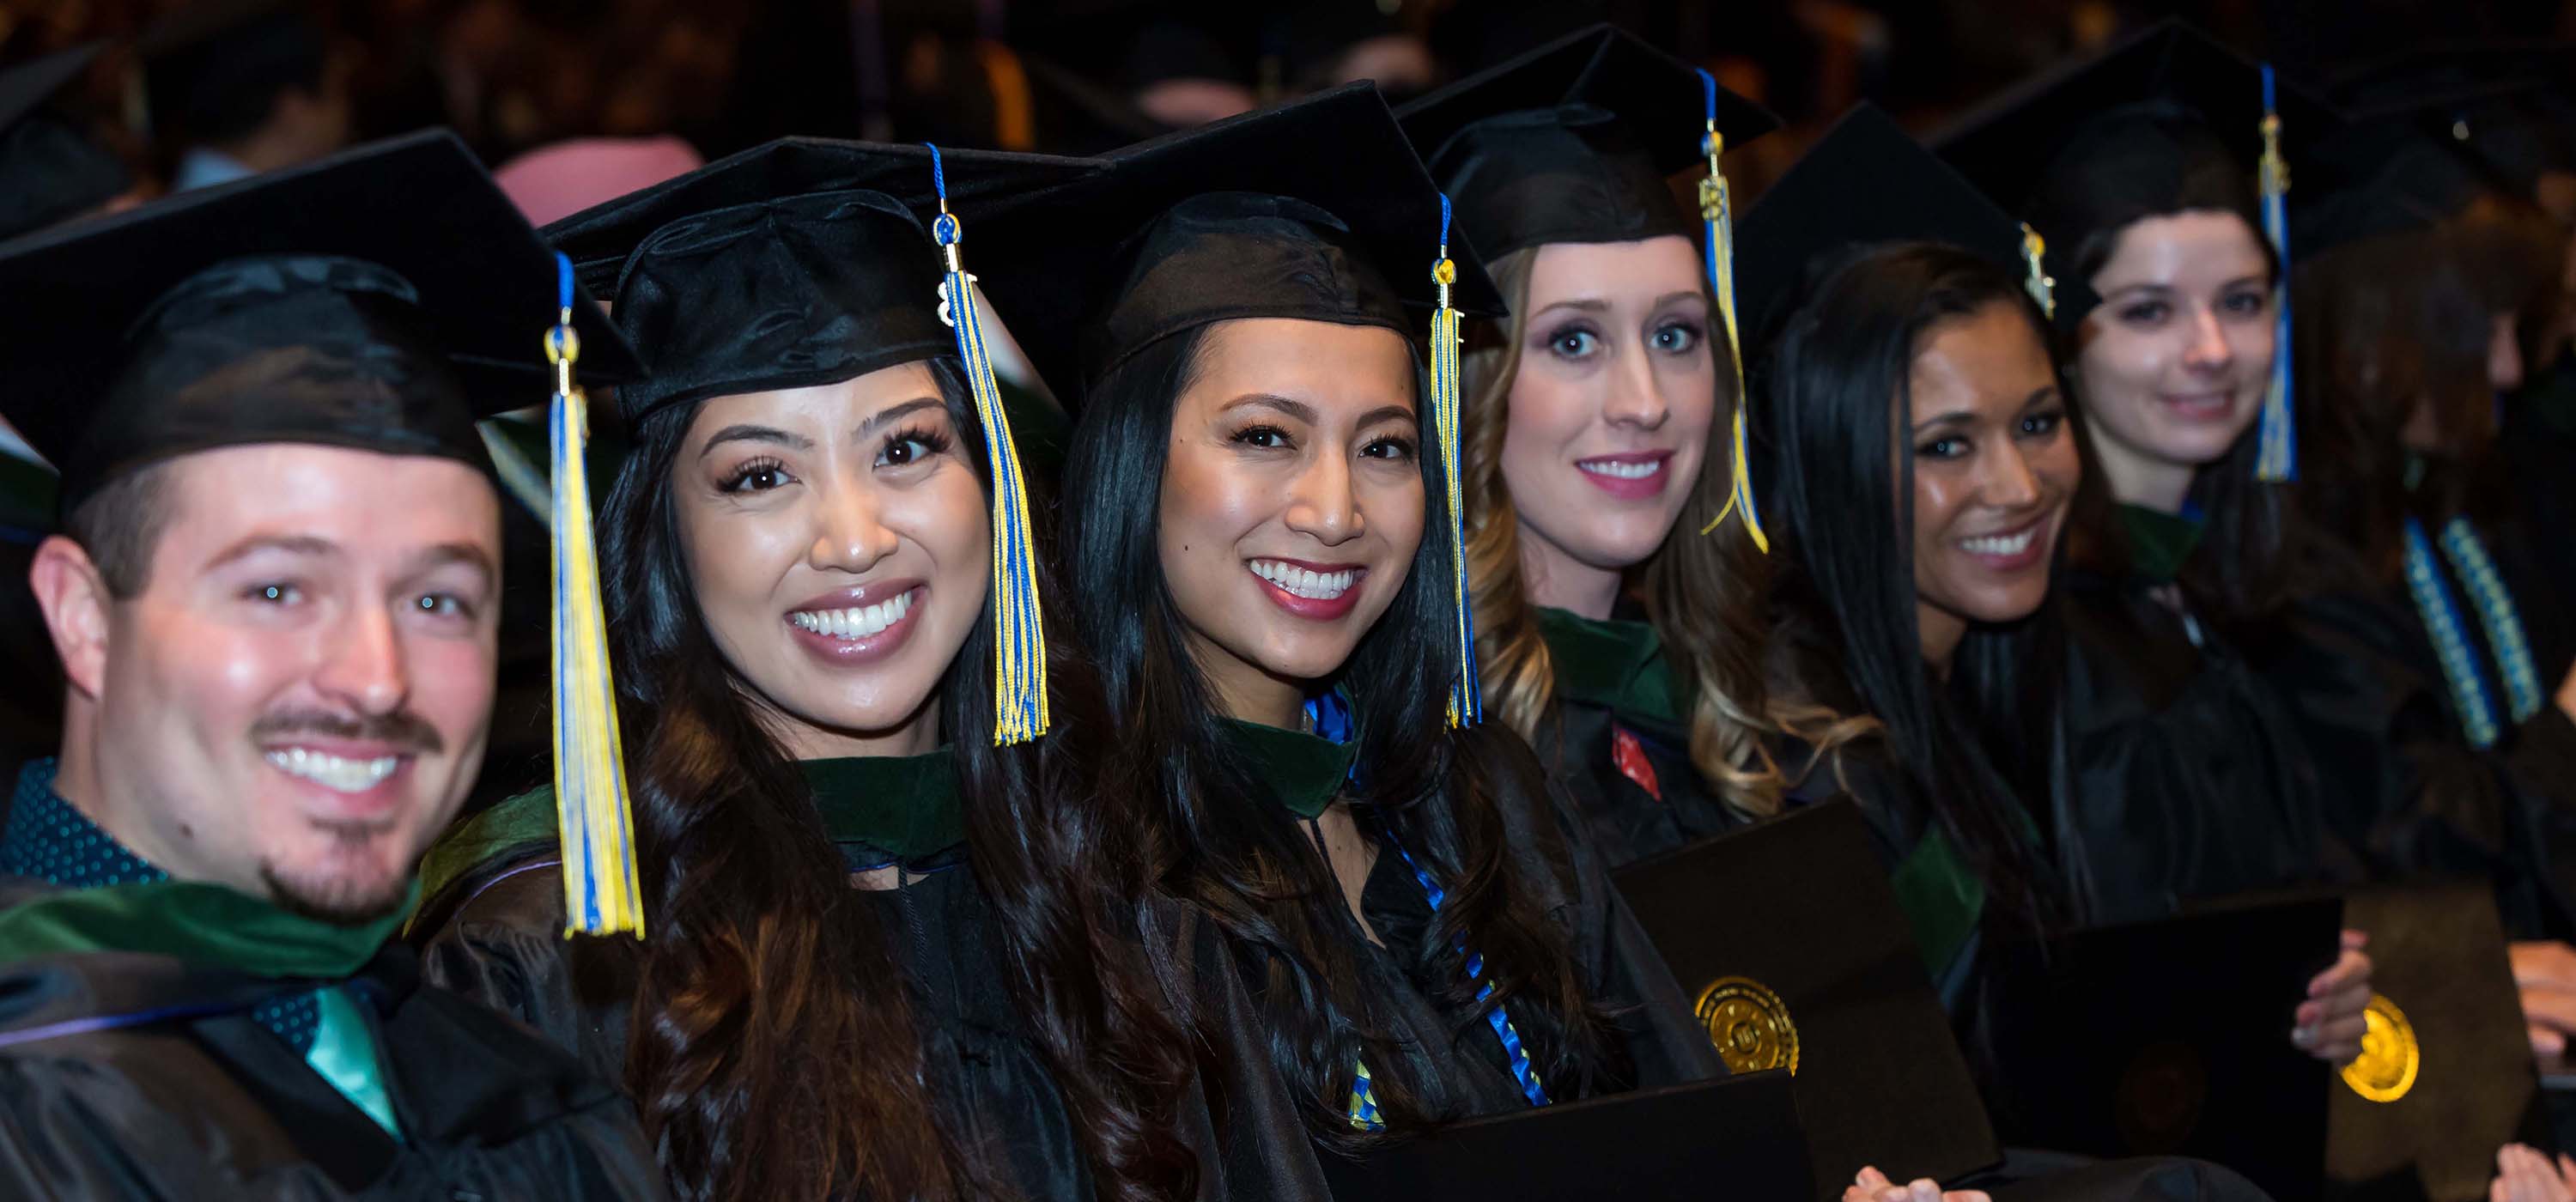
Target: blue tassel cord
{"x":593,"y":822}
{"x":1019,"y":628}
{"x":1716,"y":210}
{"x":1466,"y":701}
{"x":2276,"y":456}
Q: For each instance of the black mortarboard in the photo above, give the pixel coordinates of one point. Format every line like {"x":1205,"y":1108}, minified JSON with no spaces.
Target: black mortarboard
{"x":2385,"y":172}
{"x":1575,"y":141}
{"x":381,"y":299}
{"x":2445,"y":1076}
{"x":1866,"y":181}
{"x":1316,"y":209}
{"x":50,"y":169}
{"x":2166,"y":121}
{"x":1826,"y":983}
{"x":2164,"y":116}
{"x":2165,"y":1037}
{"x":1735,"y":1137}
{"x":799,"y":262}
{"x":2505,"y":105}
{"x":805,"y":262}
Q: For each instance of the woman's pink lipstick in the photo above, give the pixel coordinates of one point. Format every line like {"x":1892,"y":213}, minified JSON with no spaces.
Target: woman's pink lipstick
{"x":1630,"y":475}
{"x":1299,"y":586}
{"x":858,"y":626}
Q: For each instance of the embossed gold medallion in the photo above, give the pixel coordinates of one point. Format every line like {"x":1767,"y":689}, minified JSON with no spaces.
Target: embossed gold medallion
{"x":2390,"y":1057}
{"x":1749,"y":1024}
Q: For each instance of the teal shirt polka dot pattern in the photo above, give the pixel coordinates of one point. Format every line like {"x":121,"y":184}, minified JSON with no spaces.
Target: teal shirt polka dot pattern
{"x":46,"y":839}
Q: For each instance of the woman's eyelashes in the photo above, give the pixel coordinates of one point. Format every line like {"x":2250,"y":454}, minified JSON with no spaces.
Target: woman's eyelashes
{"x":1395,"y":447}
{"x":917,"y":445}
{"x":1574,"y":342}
{"x":757,"y":475}
{"x":2249,"y":300}
{"x":2038,"y":425}
{"x":1263,"y":437}
{"x":1679,"y":337}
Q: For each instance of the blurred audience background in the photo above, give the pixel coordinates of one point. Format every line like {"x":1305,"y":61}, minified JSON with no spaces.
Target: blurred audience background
{"x":609,"y":94}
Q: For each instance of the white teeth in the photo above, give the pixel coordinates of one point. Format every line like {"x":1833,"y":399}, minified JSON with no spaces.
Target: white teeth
{"x":1616,"y":470}
{"x":2013,"y":544}
{"x":334,"y":772}
{"x":1319,"y":586}
{"x":858,"y":622}
{"x":1622,"y":471}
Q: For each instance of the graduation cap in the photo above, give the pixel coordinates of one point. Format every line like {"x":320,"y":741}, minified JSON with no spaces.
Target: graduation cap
{"x":1576,"y":141}
{"x":2445,"y":1074}
{"x":2504,"y":104}
{"x":2165,"y":120}
{"x":381,"y":299}
{"x":1829,"y":987}
{"x":1734,"y":1136}
{"x":50,"y":170}
{"x":1315,"y":210}
{"x":2389,"y":171}
{"x":1868,"y":181}
{"x":2165,"y":1037}
{"x":808,"y":261}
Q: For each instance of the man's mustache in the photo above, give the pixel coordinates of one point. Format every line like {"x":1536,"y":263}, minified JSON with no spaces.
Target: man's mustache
{"x":403,"y":729}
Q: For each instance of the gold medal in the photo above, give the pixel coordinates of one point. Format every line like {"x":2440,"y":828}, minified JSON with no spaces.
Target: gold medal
{"x":1749,"y":1024}
{"x":2390,"y":1057}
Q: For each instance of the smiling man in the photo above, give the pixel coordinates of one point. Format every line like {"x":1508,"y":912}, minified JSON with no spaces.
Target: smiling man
{"x":276,"y":600}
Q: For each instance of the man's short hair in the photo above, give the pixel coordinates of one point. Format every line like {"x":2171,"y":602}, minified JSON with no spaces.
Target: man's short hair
{"x":120,"y":525}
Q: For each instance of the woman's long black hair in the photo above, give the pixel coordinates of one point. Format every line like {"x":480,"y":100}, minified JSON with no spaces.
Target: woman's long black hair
{"x":1839,"y":494}
{"x":772,"y":1052}
{"x":1254,"y":872}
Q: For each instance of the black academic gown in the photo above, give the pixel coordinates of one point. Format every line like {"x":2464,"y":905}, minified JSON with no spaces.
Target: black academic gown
{"x":100,"y":1099}
{"x":494,"y":931}
{"x":2401,"y":784}
{"x":2184,"y":776}
{"x":1612,"y":677}
{"x":1616,"y":744}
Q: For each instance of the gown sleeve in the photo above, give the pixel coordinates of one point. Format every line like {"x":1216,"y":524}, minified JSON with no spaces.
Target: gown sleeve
{"x":2401,"y":783}
{"x":1622,"y":969}
{"x":2188,"y":778}
{"x":1250,"y":1138}
{"x":498,"y":939}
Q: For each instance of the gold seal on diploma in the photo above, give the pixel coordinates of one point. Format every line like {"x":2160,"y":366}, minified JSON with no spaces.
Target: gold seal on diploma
{"x":1749,"y":1024}
{"x":2390,"y":1057}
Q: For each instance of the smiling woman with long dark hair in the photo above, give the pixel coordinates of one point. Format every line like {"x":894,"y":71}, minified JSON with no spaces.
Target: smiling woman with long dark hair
{"x":886,"y":954}
{"x":1264,"y":570}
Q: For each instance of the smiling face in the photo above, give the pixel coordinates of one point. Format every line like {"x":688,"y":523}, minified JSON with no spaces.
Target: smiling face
{"x":1292,"y":499}
{"x":295,"y":702}
{"x":837,"y":540}
{"x":2175,"y":360}
{"x":1994,"y":469}
{"x":1611,"y":407}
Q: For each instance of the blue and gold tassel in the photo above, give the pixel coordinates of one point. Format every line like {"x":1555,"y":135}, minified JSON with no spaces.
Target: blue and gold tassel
{"x":593,"y":824}
{"x":1019,"y":629}
{"x":1466,"y":703}
{"x":1715,"y":209}
{"x":2276,"y":456}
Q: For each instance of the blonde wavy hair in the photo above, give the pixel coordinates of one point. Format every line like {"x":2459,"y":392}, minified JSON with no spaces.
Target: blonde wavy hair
{"x":1706,"y":595}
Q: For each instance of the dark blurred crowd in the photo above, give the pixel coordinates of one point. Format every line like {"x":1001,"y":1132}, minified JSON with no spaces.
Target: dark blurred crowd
{"x":268,"y":83}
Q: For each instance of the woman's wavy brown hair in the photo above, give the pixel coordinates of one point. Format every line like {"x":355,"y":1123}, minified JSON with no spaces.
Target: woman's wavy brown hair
{"x":773,"y":1052}
{"x":1705,"y":594}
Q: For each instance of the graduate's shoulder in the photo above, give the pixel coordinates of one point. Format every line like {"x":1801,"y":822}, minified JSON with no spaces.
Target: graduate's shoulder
{"x":501,"y":867}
